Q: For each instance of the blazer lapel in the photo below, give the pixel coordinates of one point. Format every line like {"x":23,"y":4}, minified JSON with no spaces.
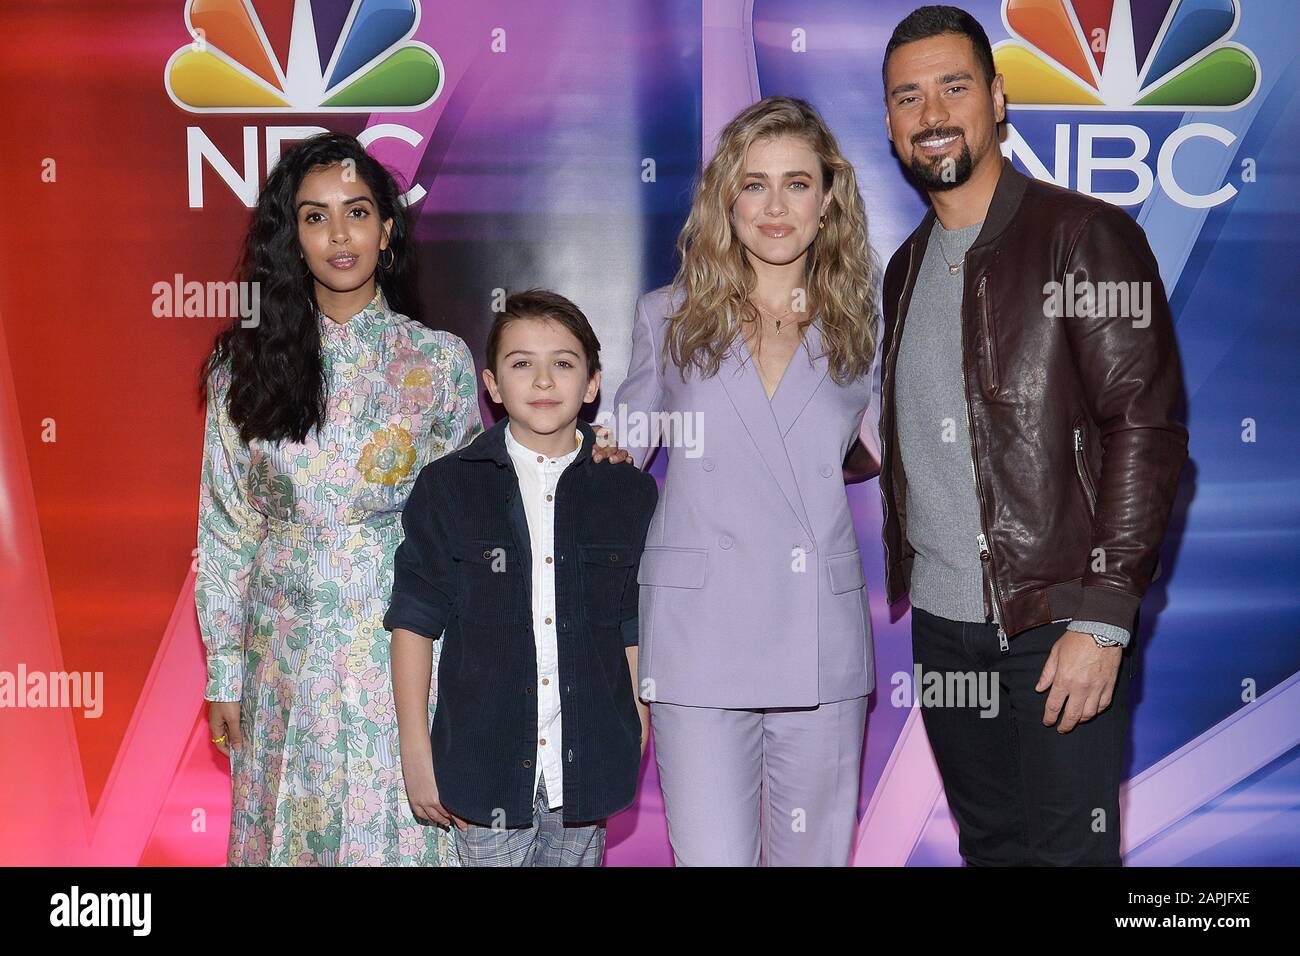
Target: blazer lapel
{"x":744,"y":388}
{"x":802,"y":378}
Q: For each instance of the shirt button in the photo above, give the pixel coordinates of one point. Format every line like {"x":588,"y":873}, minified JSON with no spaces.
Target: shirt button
{"x":528,"y":691}
{"x":548,"y":559}
{"x":826,"y":471}
{"x":540,"y":458}
{"x":548,"y":620}
{"x":542,"y":742}
{"x":527,"y":763}
{"x":545,"y":681}
{"x":488,"y":555}
{"x":613,"y":558}
{"x":548,"y":497}
{"x":725,"y":542}
{"x":707,"y":464}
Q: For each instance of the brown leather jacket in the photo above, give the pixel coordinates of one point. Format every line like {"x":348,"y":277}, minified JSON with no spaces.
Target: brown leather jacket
{"x":1076,"y":447}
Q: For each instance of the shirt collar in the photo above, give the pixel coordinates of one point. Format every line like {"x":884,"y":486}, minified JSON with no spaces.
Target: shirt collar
{"x":366,"y":326}
{"x":490,"y":445}
{"x":523,"y":454}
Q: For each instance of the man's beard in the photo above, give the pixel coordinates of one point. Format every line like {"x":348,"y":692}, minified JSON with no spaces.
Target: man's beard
{"x":947,"y":173}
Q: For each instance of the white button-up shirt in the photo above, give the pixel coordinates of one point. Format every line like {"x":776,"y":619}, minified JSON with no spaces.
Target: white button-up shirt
{"x":538,"y":475}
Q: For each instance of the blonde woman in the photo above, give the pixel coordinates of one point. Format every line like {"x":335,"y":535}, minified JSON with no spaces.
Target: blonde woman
{"x":755,"y":630}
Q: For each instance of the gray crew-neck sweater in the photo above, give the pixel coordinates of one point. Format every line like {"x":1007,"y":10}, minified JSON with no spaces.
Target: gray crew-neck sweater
{"x":943,"y":517}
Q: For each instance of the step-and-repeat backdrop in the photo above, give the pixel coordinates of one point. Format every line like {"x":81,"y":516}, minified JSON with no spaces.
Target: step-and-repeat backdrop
{"x":555,"y":144}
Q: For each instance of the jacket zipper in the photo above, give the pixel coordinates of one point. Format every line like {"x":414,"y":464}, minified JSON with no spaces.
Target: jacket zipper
{"x":893,"y":350}
{"x":986,"y":555}
{"x":1089,"y":490}
{"x":988,"y":337}
{"x":1084,"y":477}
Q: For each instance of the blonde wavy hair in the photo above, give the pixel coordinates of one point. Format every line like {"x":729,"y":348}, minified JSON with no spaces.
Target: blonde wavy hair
{"x":841,"y":271}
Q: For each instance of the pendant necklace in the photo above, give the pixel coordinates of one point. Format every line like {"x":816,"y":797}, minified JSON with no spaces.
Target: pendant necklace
{"x":775,"y":318}
{"x":953,"y":267}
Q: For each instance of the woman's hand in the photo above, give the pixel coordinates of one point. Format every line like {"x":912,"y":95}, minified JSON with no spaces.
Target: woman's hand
{"x":422,"y":791}
{"x":606,"y":450}
{"x":223,"y":721}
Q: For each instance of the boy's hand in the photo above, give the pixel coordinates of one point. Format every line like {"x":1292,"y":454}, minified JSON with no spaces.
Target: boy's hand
{"x":606,"y":450}
{"x":422,"y":792}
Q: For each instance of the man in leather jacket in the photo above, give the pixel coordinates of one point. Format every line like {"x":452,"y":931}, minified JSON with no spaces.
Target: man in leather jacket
{"x":1030,"y":458}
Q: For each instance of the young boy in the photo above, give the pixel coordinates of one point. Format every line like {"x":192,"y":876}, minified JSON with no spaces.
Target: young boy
{"x":521,"y":553}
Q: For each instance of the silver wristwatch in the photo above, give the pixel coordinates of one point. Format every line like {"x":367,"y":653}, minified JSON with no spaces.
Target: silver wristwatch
{"x":1105,"y":641}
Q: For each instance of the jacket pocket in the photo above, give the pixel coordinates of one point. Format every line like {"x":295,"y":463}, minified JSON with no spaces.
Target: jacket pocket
{"x":491,"y":581}
{"x":673,"y":567}
{"x":845,"y":571}
{"x":495,"y":557}
{"x":1081,"y":469}
{"x":605,"y":572}
{"x":990,"y":357}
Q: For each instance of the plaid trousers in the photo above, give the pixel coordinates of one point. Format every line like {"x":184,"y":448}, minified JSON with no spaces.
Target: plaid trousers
{"x":547,"y":841}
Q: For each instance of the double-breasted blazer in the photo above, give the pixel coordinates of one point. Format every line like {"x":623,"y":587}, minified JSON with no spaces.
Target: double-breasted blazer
{"x":752,"y":589}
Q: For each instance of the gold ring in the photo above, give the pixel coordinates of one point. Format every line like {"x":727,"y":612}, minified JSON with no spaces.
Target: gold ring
{"x":217,"y":740}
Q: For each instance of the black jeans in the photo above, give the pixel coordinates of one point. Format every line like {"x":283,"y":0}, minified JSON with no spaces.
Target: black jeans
{"x":1022,"y":793}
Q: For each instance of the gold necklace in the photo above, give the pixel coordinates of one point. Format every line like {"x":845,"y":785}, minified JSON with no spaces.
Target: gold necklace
{"x":775,"y":318}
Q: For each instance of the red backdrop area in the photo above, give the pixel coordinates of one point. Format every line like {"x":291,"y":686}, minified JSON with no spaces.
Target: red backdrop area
{"x":117,"y":486}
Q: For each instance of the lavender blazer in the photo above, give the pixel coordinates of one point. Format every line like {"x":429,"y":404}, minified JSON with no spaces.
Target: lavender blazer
{"x":752,"y":591}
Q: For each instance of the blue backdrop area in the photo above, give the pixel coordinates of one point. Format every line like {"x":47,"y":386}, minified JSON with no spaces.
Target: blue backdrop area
{"x":1219,"y":630}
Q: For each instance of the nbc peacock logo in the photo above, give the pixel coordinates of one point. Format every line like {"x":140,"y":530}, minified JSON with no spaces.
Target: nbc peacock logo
{"x":1168,"y":55}
{"x":303,"y":56}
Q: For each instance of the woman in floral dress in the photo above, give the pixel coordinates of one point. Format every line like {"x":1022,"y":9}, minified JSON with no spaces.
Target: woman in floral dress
{"x":321,"y":411}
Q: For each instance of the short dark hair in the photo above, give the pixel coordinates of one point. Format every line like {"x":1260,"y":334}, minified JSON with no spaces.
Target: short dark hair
{"x":934,"y":20}
{"x":544,"y":304}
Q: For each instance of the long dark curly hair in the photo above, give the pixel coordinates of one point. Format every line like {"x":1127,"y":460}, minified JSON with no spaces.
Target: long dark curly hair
{"x":277,"y":383}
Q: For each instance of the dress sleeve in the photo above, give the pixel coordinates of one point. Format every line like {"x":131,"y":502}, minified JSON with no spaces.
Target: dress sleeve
{"x":466,"y":421}
{"x":230,"y":532}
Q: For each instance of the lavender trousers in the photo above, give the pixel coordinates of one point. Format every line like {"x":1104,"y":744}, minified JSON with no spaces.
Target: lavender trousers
{"x":774,"y":786}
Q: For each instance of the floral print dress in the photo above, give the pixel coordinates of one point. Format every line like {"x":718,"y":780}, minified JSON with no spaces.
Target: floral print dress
{"x":296,"y":545}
